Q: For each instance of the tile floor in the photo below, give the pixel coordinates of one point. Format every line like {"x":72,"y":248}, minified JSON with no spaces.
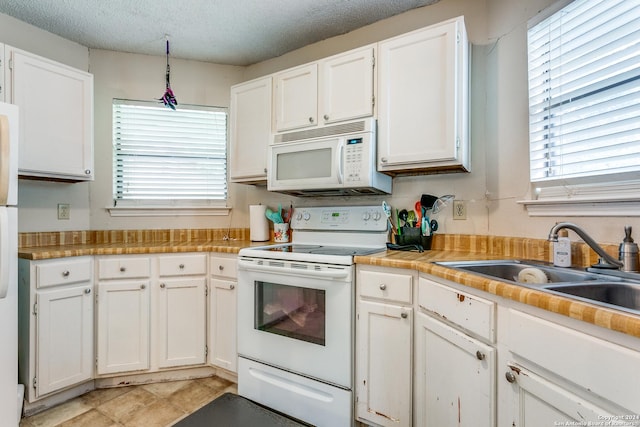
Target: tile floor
{"x":149,"y":405}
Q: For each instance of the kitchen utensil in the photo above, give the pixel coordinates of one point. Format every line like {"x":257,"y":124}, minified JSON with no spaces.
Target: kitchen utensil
{"x":434,"y":225}
{"x":427,"y":201}
{"x":412,"y":221}
{"x":398,"y":227}
{"x":274,"y":217}
{"x":387,"y":212}
{"x":418,"y":212}
{"x":441,"y":202}
{"x":403,"y":216}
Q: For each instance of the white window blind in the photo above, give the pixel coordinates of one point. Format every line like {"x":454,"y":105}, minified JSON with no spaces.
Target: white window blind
{"x":164,"y":155}
{"x":584,"y":92}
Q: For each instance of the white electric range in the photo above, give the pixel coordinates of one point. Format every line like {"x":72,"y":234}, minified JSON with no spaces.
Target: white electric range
{"x":296,"y":313}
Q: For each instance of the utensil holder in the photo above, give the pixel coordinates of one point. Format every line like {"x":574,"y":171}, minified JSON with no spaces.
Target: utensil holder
{"x":412,"y":236}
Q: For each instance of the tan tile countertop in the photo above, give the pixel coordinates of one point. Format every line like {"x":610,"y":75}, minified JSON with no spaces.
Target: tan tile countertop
{"x":424,"y":262}
{"x":451,"y":247}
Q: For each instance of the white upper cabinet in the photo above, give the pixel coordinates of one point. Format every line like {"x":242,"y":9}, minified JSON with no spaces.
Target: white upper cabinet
{"x":250,"y":130}
{"x":337,"y":88}
{"x":296,"y":98}
{"x":423,"y":100}
{"x":347,"y":82}
{"x":56,"y":117}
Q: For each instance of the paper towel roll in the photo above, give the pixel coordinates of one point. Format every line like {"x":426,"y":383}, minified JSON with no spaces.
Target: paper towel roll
{"x":258,"y":223}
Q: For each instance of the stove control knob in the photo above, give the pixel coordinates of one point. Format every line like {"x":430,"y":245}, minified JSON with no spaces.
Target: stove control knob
{"x":298,"y":216}
{"x":366,"y":216}
{"x":306,"y":216}
{"x":376,"y":216}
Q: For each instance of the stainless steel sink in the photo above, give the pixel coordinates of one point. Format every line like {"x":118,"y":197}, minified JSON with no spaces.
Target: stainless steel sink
{"x":613,"y":294}
{"x":510,"y":269}
{"x":611,"y":289}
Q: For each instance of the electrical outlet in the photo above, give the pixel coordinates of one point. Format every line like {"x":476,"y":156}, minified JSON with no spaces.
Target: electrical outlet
{"x":459,"y":209}
{"x":64,"y":210}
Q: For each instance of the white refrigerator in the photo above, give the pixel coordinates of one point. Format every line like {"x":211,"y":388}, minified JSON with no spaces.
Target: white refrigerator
{"x":9,"y":406}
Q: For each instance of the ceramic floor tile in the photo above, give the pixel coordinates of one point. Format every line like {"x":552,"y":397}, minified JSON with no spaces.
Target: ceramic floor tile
{"x":192,"y":397}
{"x":126,"y":404}
{"x":149,"y":405}
{"x":158,"y":414}
{"x":96,"y":398}
{"x":215,"y":383}
{"x":59,"y":414}
{"x":165,"y":389}
{"x":93,"y":418}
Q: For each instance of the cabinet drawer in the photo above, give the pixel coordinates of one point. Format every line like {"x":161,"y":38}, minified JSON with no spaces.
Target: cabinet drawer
{"x":470,"y":312}
{"x":386,"y":286}
{"x":182,"y":265}
{"x":224,"y":266}
{"x":63,"y":272}
{"x":123,"y":268}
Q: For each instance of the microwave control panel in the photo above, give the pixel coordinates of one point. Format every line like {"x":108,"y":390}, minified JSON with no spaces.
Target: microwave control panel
{"x":355,"y":156}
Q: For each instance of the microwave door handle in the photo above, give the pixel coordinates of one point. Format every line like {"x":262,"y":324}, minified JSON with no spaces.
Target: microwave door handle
{"x":340,"y":161}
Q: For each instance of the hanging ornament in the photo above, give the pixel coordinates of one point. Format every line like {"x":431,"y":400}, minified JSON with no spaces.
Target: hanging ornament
{"x":169,"y":99}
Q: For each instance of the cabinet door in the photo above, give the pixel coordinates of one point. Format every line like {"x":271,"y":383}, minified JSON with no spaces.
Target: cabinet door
{"x":539,"y":402}
{"x":455,"y":377}
{"x":64,"y":337}
{"x":56,"y":118}
{"x":296,"y":98}
{"x":181,"y":322}
{"x":347,"y":85}
{"x":123,"y":326}
{"x":383,"y":364}
{"x":222,"y":324}
{"x":250,"y":130}
{"x":420,"y":99}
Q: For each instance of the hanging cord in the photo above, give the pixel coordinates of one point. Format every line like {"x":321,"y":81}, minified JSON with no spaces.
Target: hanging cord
{"x":169,"y":99}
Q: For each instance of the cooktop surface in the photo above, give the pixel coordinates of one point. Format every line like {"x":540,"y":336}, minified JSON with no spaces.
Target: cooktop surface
{"x":321,"y":249}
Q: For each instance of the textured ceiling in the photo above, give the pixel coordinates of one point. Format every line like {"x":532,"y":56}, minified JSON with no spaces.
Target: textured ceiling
{"x":236,"y":32}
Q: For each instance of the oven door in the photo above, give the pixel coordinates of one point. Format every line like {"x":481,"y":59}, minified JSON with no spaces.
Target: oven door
{"x":297,"y":316}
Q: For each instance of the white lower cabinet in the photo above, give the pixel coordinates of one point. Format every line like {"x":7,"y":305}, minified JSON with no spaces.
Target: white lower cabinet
{"x":551,"y":373}
{"x":384,"y":335}
{"x":123,"y":326}
{"x":455,"y":361}
{"x":55,"y":324}
{"x":122,"y":306}
{"x":181,"y":322}
{"x":454,"y":355}
{"x":222,"y":312}
{"x":151,"y":312}
{"x":454,"y":375}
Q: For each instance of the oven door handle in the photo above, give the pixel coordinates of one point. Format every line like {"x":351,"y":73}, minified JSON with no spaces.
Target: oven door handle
{"x":323,"y":274}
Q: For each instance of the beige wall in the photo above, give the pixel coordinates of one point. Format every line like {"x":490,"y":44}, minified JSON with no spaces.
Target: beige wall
{"x":499,"y":134}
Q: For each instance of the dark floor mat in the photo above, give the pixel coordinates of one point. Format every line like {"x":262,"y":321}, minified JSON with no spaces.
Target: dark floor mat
{"x":231,"y":410}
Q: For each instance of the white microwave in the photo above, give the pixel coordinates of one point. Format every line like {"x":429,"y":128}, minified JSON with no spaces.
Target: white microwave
{"x":328,"y":161}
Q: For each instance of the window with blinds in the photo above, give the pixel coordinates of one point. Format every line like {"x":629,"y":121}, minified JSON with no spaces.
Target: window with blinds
{"x":584,"y":93}
{"x":166,"y":156}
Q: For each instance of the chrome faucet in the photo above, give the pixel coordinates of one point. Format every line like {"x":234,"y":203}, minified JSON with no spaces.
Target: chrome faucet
{"x":605,"y":261}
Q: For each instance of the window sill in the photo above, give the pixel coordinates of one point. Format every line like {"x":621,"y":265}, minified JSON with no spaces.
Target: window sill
{"x":583,"y":207}
{"x":123,"y":211}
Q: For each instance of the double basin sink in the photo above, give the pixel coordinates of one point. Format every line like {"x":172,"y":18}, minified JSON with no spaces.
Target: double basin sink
{"x":610,"y":288}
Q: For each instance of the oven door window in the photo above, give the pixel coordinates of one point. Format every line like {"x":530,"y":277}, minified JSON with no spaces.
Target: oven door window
{"x":290,"y":311}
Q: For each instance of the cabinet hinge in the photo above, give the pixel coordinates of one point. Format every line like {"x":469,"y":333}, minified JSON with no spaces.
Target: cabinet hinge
{"x":35,"y":382}
{"x":373,"y":60}
{"x":96,"y":362}
{"x":35,"y":309}
{"x":206,"y":351}
{"x":373,"y":101}
{"x":206,"y":290}
{"x":11,"y":64}
{"x":457,"y":142}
